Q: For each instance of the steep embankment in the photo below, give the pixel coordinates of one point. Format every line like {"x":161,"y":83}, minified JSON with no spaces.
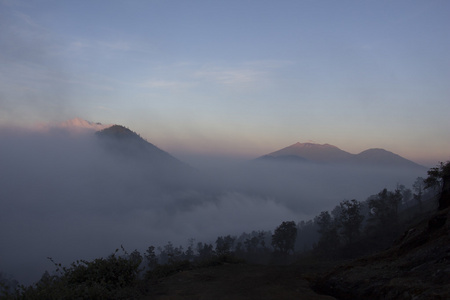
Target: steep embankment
{"x":416,"y":267}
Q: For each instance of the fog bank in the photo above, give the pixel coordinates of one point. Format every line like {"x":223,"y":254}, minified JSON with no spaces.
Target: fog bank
{"x":65,"y":196}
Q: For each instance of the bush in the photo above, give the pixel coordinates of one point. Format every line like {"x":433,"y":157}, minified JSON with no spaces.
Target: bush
{"x":110,"y":278}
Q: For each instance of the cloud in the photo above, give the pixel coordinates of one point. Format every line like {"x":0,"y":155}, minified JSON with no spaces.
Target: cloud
{"x":244,"y":74}
{"x":230,"y":77}
{"x":187,"y":75}
{"x":114,"y":47}
{"x":269,"y":64}
{"x":31,"y":72}
{"x":85,"y":46}
{"x":165,"y":84}
{"x":65,"y":196}
{"x":118,"y":45}
{"x":232,"y":213}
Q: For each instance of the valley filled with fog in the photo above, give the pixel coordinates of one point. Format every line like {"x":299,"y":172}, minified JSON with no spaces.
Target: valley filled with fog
{"x":75,"y":195}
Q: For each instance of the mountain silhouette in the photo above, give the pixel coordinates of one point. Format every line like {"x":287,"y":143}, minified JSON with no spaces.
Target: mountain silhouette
{"x":326,"y":153}
{"x":128,"y":145}
{"x":309,"y":152}
{"x":378,"y":156}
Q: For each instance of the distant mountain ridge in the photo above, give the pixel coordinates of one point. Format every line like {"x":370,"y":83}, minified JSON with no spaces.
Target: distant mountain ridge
{"x":120,"y":139}
{"x":312,"y":152}
{"x":326,"y":153}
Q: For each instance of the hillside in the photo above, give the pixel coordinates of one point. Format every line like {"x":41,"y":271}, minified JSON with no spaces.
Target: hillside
{"x":417,"y":266}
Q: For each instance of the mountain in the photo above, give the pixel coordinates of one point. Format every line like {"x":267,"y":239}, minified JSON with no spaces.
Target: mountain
{"x":382,"y":157}
{"x":309,"y":152}
{"x":142,"y":160}
{"x":326,"y":153}
{"x":122,"y":141}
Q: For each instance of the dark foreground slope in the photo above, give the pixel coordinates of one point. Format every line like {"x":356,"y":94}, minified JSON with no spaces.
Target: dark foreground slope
{"x":416,"y":267}
{"x":236,"y":281}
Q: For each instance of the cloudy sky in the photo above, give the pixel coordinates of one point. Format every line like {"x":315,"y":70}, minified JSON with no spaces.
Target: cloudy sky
{"x":235,"y":78}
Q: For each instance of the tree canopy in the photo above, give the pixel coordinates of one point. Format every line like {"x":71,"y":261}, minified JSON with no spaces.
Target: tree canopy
{"x":440,"y":177}
{"x":284,"y":237}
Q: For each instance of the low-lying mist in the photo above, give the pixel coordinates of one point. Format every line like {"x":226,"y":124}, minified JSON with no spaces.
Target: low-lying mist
{"x":64,"y":195}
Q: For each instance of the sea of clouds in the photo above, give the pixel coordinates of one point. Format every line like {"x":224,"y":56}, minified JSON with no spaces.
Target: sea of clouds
{"x":64,"y":196}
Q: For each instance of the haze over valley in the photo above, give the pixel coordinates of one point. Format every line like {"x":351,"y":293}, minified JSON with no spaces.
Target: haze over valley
{"x":81,"y":189}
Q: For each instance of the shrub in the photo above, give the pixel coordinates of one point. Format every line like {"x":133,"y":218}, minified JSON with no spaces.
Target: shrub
{"x":110,"y":278}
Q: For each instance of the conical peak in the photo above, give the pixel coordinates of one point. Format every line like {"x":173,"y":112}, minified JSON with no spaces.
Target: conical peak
{"x":119,"y":131}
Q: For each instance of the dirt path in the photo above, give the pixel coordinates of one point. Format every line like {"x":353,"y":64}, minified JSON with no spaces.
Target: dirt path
{"x":236,"y":281}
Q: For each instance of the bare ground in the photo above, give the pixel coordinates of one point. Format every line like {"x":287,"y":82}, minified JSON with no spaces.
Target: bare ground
{"x":236,"y":281}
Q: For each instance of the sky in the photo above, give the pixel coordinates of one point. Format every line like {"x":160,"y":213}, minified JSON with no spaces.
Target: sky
{"x":232,"y":78}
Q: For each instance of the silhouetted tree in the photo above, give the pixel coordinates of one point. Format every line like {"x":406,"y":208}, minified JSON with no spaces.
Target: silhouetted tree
{"x":405,"y":193}
{"x":170,"y":254}
{"x":239,"y":249}
{"x":205,"y":250}
{"x":439,"y":177}
{"x":8,"y":285}
{"x":307,"y":235}
{"x":224,"y":245}
{"x":135,"y":257}
{"x":350,"y":219}
{"x":150,"y":255}
{"x":418,"y":187}
{"x":284,"y":237}
{"x":251,"y":244}
{"x":189,"y":253}
{"x":324,"y":221}
{"x":329,"y":237}
{"x":261,"y":239}
{"x":384,"y":212}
